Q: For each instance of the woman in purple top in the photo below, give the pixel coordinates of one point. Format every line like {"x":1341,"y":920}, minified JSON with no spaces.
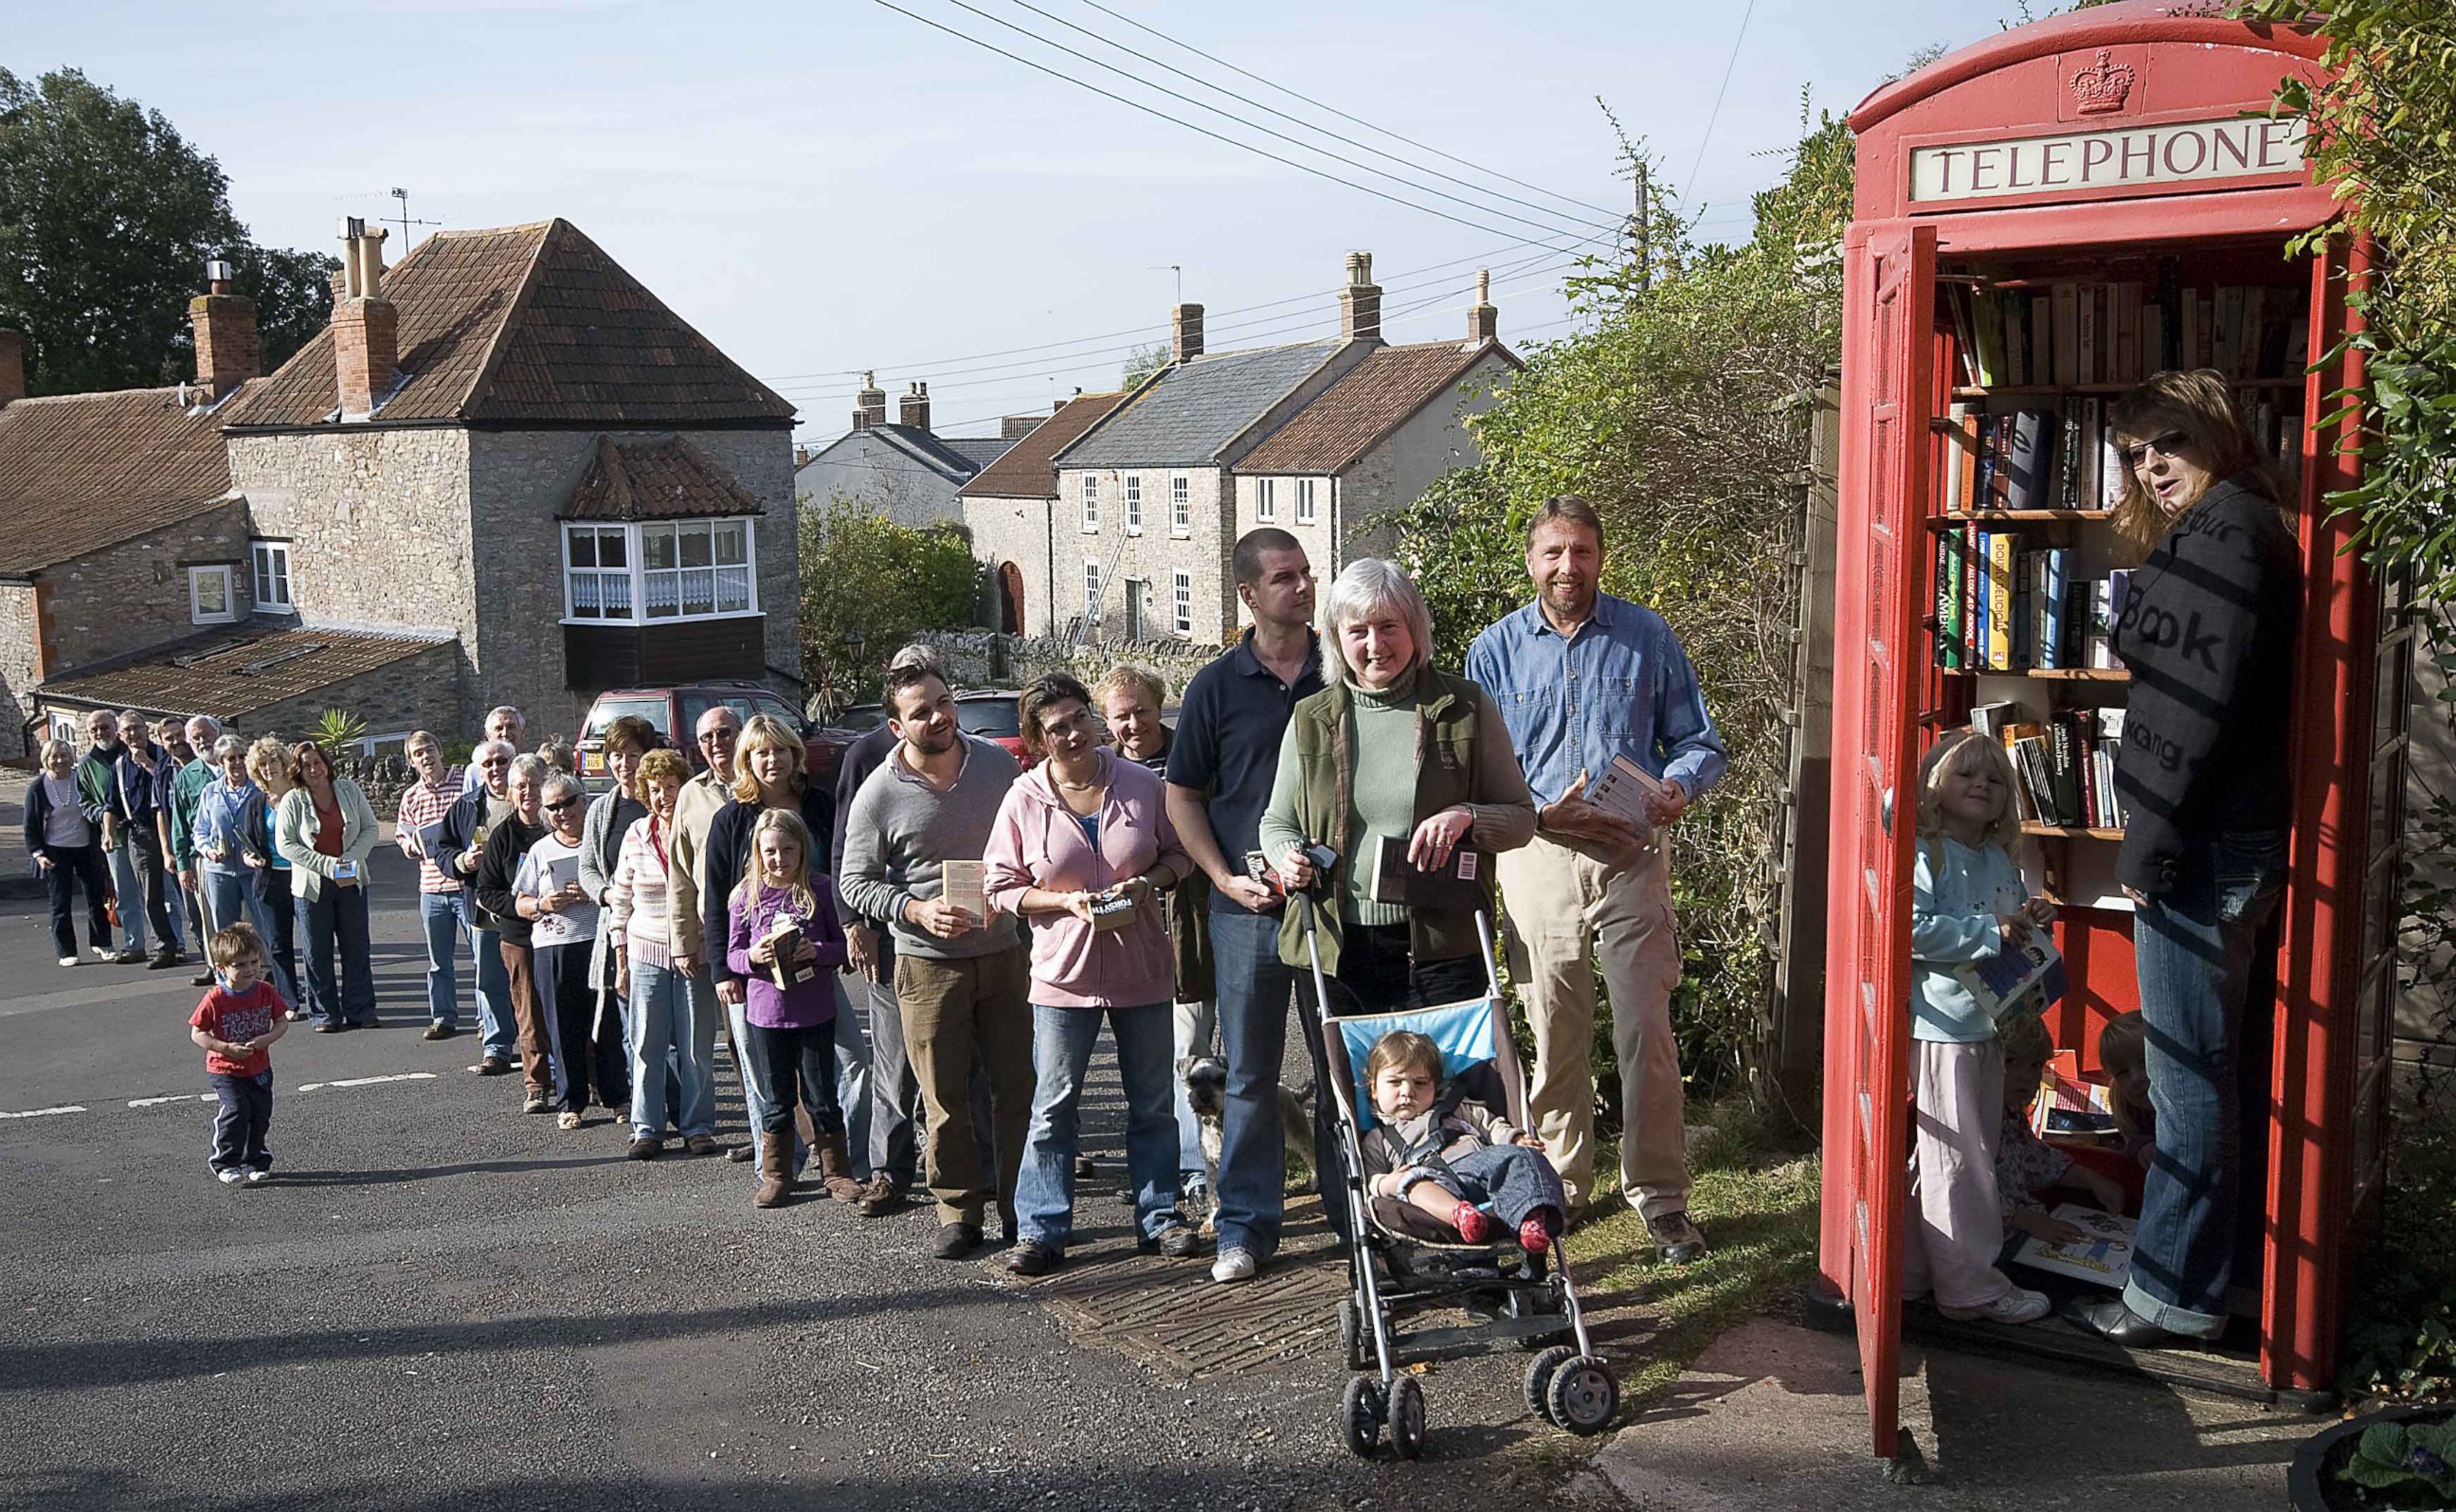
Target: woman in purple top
{"x":1083,"y":847}
{"x":785,"y":943}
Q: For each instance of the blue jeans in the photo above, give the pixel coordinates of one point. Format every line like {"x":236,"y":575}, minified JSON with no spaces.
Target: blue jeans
{"x":237,"y":894}
{"x":130,"y":894}
{"x":499,"y":1032}
{"x":445,"y":916}
{"x":1255,"y":986}
{"x":2193,"y":947}
{"x":754,"y":1091}
{"x":671,"y":1024}
{"x":337,"y":917}
{"x":796,"y":1066}
{"x":1062,"y":1053}
{"x":240,"y":1122}
{"x":1515,"y":1179}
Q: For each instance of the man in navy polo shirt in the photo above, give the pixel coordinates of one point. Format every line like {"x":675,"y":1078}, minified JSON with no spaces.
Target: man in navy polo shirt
{"x":1581,"y":677}
{"x":1219,"y":771}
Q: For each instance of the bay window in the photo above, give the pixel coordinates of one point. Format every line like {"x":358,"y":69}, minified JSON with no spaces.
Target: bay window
{"x":635,"y":574}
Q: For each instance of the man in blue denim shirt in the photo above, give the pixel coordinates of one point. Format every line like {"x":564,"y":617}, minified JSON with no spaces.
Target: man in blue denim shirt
{"x":1581,"y":677}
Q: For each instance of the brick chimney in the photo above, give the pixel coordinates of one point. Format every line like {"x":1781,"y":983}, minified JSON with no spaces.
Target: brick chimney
{"x":227,"y":352}
{"x":13,"y":367}
{"x":1482,"y":320}
{"x":914,"y":408}
{"x":870,"y":406}
{"x":1186,"y":321}
{"x":366,"y":328}
{"x":1360,"y":303}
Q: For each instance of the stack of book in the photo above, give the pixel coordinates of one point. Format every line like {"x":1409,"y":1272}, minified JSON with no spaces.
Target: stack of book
{"x":2060,"y":454}
{"x":2071,"y":332}
{"x":2002,"y":606}
{"x":2063,"y":767}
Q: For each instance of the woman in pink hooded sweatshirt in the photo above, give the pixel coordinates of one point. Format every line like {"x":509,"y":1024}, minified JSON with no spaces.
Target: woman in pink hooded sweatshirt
{"x":1083,"y":849}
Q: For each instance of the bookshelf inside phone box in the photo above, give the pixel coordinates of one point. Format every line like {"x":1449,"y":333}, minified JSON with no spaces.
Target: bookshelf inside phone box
{"x":2042,"y":220}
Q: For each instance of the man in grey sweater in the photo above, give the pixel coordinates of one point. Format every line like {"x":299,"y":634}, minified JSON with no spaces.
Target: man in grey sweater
{"x":962,"y":985}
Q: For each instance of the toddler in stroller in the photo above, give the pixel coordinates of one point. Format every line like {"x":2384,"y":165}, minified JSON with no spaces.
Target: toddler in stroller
{"x":1434,"y":1156}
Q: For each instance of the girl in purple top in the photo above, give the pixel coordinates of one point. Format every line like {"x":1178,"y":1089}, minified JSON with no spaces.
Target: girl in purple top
{"x":786,"y":944}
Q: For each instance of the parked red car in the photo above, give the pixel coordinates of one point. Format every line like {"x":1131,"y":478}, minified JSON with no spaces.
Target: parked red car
{"x":675,"y":712}
{"x":993,"y":715}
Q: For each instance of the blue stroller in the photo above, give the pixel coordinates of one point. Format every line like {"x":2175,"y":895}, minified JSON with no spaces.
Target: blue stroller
{"x":1396,"y":1272}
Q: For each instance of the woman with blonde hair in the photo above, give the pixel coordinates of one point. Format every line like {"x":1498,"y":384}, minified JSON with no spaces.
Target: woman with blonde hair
{"x":771,"y":772}
{"x":64,"y":844}
{"x":268,"y":761}
{"x":2208,"y":632}
{"x":325,"y":830}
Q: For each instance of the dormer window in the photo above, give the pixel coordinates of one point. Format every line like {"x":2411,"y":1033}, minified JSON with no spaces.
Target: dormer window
{"x":635,"y":574}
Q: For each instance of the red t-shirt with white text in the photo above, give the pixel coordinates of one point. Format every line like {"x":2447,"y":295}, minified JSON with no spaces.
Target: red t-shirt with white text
{"x":238,"y":1017}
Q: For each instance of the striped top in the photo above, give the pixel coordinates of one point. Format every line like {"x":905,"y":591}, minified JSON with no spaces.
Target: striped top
{"x":422,"y":804}
{"x":639,"y":904}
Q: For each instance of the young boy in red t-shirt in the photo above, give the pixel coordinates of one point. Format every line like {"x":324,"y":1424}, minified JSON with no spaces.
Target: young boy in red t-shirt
{"x":241,"y":1017}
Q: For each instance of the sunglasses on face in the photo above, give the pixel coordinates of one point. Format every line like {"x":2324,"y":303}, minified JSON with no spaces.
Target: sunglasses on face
{"x":2167,"y":445}
{"x":560,"y":804}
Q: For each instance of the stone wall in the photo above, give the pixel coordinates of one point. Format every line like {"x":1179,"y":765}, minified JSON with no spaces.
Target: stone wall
{"x":978,"y":659}
{"x":1015,"y":530}
{"x":1150,"y":556}
{"x":19,"y":668}
{"x":417,"y":692}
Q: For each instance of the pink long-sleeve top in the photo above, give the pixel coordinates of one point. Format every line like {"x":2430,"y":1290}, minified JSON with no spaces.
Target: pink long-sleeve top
{"x":1040,"y":843}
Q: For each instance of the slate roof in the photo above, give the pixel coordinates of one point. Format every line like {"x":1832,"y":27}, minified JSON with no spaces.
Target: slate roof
{"x":953,"y":458}
{"x":230,"y":672}
{"x":525,"y":325}
{"x":1190,"y":412}
{"x":1026,"y":471}
{"x":1367,"y":402}
{"x":663,"y":478}
{"x":79,"y":472}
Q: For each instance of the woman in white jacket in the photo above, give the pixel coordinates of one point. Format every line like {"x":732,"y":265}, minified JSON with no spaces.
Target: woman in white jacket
{"x":325,"y":830}
{"x":667,"y":1021}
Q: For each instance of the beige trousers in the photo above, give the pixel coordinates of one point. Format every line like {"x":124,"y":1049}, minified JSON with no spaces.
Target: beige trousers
{"x":1956,"y":1224}
{"x":1570,"y":914}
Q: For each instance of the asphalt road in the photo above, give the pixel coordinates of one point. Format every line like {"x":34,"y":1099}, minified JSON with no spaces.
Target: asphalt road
{"x":442,"y":1303}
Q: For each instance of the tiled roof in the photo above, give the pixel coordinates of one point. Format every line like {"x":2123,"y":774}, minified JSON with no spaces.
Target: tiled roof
{"x":526,"y":324}
{"x":1370,"y":401}
{"x":665,"y":478}
{"x":977,"y":451}
{"x":227,"y":673}
{"x":81,"y":471}
{"x":1024,"y":470}
{"x":1194,"y":410}
{"x":937,"y":452}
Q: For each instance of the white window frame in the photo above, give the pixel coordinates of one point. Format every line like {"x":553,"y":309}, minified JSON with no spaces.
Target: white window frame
{"x":1180,"y":505}
{"x":1305,"y":515}
{"x":197,"y":578}
{"x":1266,"y":503}
{"x":713,"y":588}
{"x":269,"y":561}
{"x":1091,"y":503}
{"x":1090,"y":590}
{"x":1134,"y":503}
{"x":1181,"y":589}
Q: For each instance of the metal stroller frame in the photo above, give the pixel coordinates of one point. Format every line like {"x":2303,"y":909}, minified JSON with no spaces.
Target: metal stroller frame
{"x":1568,"y":1386}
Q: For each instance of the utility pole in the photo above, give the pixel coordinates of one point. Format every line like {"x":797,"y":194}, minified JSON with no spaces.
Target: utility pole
{"x":1640,"y":232}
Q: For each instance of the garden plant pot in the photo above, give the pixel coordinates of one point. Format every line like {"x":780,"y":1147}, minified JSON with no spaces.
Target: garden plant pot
{"x":2310,"y":1484}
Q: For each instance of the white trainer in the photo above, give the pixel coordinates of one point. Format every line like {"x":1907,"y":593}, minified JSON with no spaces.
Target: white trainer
{"x":1235,"y":1264}
{"x":68,"y":960}
{"x":231,"y":1177}
{"x":258,"y":1178}
{"x":2015,"y":1306}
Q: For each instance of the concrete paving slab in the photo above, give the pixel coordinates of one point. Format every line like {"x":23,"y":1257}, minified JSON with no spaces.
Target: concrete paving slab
{"x":1770,"y":1416}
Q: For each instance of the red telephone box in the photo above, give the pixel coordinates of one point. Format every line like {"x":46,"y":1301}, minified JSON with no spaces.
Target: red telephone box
{"x":2042,"y":219}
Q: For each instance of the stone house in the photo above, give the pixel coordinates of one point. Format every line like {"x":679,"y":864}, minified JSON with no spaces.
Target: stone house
{"x":905,"y":471}
{"x":1320,"y":439}
{"x":1011,"y":508}
{"x":505,"y":472}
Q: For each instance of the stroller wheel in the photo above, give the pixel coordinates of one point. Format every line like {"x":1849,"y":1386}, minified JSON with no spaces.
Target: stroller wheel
{"x":1583,"y":1396}
{"x":1539,"y":1371}
{"x":1351,"y":1333}
{"x":1359,"y":1416}
{"x":1407,"y":1416}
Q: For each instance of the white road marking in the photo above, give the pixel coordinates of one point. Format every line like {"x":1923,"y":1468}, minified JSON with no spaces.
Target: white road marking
{"x":174,"y":1097}
{"x":43,"y":1113}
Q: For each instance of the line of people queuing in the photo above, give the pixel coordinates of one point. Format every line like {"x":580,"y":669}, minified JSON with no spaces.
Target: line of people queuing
{"x":993,"y":917}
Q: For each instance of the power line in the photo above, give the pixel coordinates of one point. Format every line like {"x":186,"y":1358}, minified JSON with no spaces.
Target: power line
{"x":1336,"y":111}
{"x":1259,"y":151}
{"x":1335,"y":136}
{"x":1296,"y":142}
{"x":1715,"y":114}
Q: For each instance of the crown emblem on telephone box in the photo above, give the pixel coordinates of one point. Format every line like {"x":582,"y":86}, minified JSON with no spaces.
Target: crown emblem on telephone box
{"x":2102,"y":86}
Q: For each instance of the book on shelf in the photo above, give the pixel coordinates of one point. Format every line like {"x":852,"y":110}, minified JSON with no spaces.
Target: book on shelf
{"x":2063,"y":764}
{"x":2071,"y":333}
{"x":1998,"y":557}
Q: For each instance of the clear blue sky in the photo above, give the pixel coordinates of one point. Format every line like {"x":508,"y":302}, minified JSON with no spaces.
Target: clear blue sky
{"x":826,"y":187}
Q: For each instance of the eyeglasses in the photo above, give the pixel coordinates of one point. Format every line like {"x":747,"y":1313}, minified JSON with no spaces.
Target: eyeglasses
{"x":560,"y":805}
{"x":719,"y":736}
{"x":2168,"y":445}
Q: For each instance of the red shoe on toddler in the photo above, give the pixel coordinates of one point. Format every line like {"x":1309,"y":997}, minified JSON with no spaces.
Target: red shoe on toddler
{"x":1473,"y":1224}
{"x":1535,"y":1234}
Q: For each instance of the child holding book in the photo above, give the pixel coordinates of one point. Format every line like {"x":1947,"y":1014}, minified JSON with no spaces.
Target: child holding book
{"x":236,"y":1025}
{"x":1968,"y":903}
{"x":1441,"y":1156}
{"x":786,"y":944}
